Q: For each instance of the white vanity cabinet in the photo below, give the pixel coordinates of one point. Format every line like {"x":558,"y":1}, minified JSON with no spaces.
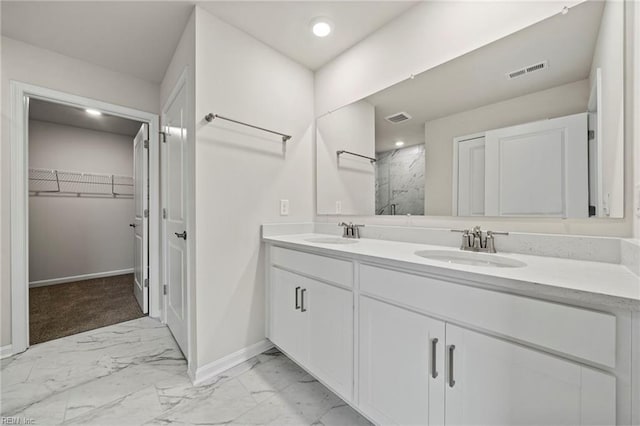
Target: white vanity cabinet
{"x":312,"y":321}
{"x":401,"y":365}
{"x":408,"y":369}
{"x":495,"y":382}
{"x":432,"y":351}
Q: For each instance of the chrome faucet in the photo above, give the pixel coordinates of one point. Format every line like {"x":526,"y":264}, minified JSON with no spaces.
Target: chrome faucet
{"x":350,"y":230}
{"x":475,"y":240}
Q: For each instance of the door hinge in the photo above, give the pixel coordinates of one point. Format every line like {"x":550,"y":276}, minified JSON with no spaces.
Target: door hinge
{"x":591,"y":135}
{"x":146,"y":282}
{"x":146,"y":212}
{"x":146,"y":143}
{"x":163,"y":137}
{"x":164,"y":289}
{"x":164,"y":213}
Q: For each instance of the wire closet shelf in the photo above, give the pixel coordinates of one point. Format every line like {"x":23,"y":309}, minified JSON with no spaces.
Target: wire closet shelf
{"x":45,"y":181}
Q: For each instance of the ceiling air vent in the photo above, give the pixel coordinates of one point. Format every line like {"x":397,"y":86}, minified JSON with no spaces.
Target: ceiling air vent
{"x":398,"y":117}
{"x":527,"y":70}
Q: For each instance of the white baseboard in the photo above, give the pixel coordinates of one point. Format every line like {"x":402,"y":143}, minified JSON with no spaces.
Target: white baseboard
{"x":6,"y":351}
{"x":215,"y":368}
{"x":63,"y":280}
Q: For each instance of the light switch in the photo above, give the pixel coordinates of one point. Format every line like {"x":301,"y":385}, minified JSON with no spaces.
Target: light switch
{"x":338,"y":207}
{"x":284,"y":207}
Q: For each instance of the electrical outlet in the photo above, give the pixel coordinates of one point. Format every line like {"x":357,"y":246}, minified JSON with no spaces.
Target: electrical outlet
{"x":284,"y":207}
{"x":338,"y":207}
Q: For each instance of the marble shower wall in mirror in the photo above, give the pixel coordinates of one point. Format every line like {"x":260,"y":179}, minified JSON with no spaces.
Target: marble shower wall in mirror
{"x":400,"y":181}
{"x":528,"y":126}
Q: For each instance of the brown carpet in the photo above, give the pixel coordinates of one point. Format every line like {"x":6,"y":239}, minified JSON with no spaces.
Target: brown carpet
{"x":63,"y":309}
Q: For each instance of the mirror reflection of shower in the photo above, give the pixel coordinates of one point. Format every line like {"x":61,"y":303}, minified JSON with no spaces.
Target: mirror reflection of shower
{"x":400,"y":181}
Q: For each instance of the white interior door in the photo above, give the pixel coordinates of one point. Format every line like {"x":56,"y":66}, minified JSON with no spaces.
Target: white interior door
{"x":141,"y":218}
{"x":175,"y":236}
{"x":538,"y":169}
{"x":595,"y":147}
{"x":471,"y":177}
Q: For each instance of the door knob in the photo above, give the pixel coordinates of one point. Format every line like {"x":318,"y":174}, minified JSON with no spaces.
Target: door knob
{"x":133,"y":225}
{"x":182,"y":235}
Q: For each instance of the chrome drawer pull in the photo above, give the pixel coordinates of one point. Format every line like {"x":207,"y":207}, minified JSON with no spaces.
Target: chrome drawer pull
{"x":297,"y":297}
{"x":452,"y":382}
{"x":434,"y":372}
{"x":302,"y":308}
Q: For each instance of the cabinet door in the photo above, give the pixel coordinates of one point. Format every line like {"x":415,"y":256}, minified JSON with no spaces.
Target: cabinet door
{"x":287,"y":321}
{"x":491,"y":381}
{"x":329,"y":312}
{"x":401,"y":373}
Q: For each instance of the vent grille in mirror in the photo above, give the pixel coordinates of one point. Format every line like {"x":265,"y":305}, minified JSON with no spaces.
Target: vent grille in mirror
{"x":527,"y":70}
{"x":398,"y":117}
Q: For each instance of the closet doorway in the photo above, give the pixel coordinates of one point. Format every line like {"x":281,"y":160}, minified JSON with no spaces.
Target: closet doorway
{"x":23,"y":96}
{"x":88,"y":219}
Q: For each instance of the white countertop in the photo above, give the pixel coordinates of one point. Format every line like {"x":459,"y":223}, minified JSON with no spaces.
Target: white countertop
{"x":589,"y":282}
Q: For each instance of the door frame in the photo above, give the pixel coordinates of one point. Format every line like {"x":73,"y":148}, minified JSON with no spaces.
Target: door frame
{"x":19,"y":216}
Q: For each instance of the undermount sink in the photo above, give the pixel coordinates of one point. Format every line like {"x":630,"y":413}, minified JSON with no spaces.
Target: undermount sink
{"x":471,"y":258}
{"x":331,"y":240}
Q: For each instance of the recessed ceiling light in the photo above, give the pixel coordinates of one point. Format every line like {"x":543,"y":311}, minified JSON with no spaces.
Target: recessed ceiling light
{"x":399,"y":143}
{"x":321,"y":27}
{"x":93,"y":111}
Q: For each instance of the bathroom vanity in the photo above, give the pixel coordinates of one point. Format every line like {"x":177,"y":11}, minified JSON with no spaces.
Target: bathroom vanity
{"x":479,"y":339}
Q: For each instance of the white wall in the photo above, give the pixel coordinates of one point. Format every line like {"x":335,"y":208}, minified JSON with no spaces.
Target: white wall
{"x":551,"y":103}
{"x":69,"y":235}
{"x":241,"y":176}
{"x":609,"y":56}
{"x":349,"y":180}
{"x":30,"y":64}
{"x":424,"y":37}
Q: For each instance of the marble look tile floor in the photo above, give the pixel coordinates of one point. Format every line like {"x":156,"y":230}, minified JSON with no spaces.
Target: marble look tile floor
{"x":134,"y":374}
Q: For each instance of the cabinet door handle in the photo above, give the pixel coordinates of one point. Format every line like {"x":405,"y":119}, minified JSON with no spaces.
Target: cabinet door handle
{"x":452,"y":382}
{"x":302,"y":308}
{"x":434,"y":371}
{"x":297,"y":297}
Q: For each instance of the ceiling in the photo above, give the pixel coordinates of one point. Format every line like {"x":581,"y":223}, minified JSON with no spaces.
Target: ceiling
{"x":478,"y":78}
{"x":285,"y":25}
{"x":129,"y":37}
{"x":77,"y":117}
{"x":139,"y":37}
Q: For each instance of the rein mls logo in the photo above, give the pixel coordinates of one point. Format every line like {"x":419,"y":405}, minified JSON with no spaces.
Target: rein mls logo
{"x":17,"y":421}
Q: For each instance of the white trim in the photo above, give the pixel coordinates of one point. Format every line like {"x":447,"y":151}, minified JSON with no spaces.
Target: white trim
{"x":215,"y":368}
{"x":70,"y":279}
{"x":6,"y":351}
{"x":19,"y":251}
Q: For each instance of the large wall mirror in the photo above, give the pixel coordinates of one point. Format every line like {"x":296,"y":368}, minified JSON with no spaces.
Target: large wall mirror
{"x":528,"y":126}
